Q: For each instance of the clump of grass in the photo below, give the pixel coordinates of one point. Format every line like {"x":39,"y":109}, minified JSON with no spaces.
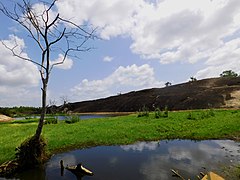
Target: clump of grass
{"x":143,"y":112}
{"x":72,"y":119}
{"x":191,"y":116}
{"x":202,"y":115}
{"x":51,"y":120}
{"x":207,"y":114}
{"x":158,"y":113}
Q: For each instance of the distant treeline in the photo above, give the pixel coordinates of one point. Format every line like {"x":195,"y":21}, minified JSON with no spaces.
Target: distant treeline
{"x":19,"y":111}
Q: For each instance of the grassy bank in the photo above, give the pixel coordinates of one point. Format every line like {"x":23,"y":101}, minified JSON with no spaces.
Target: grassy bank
{"x":197,"y":125}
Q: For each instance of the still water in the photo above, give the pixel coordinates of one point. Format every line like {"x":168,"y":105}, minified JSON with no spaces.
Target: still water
{"x":86,"y":116}
{"x":82,"y":116}
{"x":143,"y":160}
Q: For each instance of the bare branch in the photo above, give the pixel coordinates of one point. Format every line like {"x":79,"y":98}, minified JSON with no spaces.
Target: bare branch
{"x":19,"y":55}
{"x":58,"y":39}
{"x":77,"y":26}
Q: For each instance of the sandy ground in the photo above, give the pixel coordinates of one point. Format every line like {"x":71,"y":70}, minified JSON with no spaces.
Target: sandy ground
{"x":234,"y":102}
{"x":4,"y":118}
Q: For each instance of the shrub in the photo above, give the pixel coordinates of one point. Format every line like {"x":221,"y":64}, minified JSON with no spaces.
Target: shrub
{"x":159,"y":113}
{"x":191,"y":116}
{"x":165,"y":112}
{"x":51,"y":120}
{"x":72,"y":119}
{"x":202,"y":115}
{"x":207,"y":114}
{"x":143,"y":112}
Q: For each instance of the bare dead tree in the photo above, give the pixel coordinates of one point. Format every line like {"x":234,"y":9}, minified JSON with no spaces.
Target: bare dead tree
{"x":64,"y":99}
{"x":51,"y":34}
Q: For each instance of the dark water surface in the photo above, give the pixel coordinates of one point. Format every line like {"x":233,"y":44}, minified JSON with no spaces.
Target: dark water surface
{"x":86,"y":116}
{"x":82,"y":116}
{"x":144,"y":160}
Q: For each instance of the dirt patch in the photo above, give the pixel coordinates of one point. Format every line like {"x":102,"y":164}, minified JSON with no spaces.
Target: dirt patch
{"x":233,"y":101}
{"x":4,"y":118}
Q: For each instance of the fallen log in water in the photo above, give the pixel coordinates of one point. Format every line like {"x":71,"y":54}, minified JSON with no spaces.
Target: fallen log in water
{"x":209,"y":176}
{"x":78,"y":170}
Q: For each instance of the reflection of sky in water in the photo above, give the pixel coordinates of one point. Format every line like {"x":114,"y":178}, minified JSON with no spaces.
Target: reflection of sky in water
{"x":148,"y":160}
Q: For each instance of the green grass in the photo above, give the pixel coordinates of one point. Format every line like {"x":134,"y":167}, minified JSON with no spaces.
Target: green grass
{"x":221,"y":124}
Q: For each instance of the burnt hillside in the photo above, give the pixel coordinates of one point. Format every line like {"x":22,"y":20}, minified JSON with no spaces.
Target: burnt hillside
{"x":207,"y":93}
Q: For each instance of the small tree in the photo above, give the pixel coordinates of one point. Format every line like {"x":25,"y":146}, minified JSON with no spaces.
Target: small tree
{"x":64,"y":99}
{"x":228,"y":73}
{"x":193,"y":79}
{"x":167,"y":84}
{"x":48,"y":30}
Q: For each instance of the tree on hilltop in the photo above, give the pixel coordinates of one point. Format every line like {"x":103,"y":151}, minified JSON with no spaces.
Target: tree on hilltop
{"x":228,"y":73}
{"x":192,"y":79}
{"x":167,"y":84}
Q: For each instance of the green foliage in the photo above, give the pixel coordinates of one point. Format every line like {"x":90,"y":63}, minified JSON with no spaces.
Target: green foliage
{"x":228,"y":73}
{"x":50,"y":120}
{"x":19,"y":111}
{"x":191,"y":116}
{"x":200,"y":115}
{"x":207,"y":114}
{"x":31,"y":152}
{"x":72,"y":119}
{"x":158,"y":113}
{"x":165,"y":112}
{"x":143,"y":112}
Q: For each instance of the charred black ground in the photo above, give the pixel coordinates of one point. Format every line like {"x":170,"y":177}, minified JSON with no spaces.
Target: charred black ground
{"x":201,"y":94}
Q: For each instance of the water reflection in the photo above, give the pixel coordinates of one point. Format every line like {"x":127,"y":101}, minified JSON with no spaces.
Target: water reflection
{"x":145,"y":160}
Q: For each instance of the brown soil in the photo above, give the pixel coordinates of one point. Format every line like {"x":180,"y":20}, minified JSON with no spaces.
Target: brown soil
{"x":4,"y":118}
{"x":202,"y":94}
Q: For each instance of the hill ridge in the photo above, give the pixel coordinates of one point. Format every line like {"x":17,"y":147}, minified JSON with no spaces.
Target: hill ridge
{"x":201,"y":94}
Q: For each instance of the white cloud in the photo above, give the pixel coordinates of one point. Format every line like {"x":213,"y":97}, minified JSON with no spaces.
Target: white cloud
{"x":140,"y":146}
{"x":169,"y":31}
{"x":122,"y":80}
{"x":67,"y":63}
{"x":113,"y":17}
{"x":186,"y":33}
{"x":225,"y":57}
{"x":17,"y":75}
{"x":108,"y":59}
{"x":15,"y":71}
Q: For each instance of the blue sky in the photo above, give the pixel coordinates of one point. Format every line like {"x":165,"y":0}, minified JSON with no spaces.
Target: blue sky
{"x":144,"y":44}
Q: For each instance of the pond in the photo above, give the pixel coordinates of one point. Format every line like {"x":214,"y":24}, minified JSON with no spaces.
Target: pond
{"x":82,"y":116}
{"x":144,"y":160}
{"x":86,"y":116}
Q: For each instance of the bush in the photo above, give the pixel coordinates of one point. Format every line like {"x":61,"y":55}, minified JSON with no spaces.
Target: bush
{"x":51,"y":120}
{"x":191,"y":116}
{"x":143,"y":112}
{"x":207,"y":114}
{"x":202,"y":115}
{"x":72,"y":119}
{"x":159,"y":113}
